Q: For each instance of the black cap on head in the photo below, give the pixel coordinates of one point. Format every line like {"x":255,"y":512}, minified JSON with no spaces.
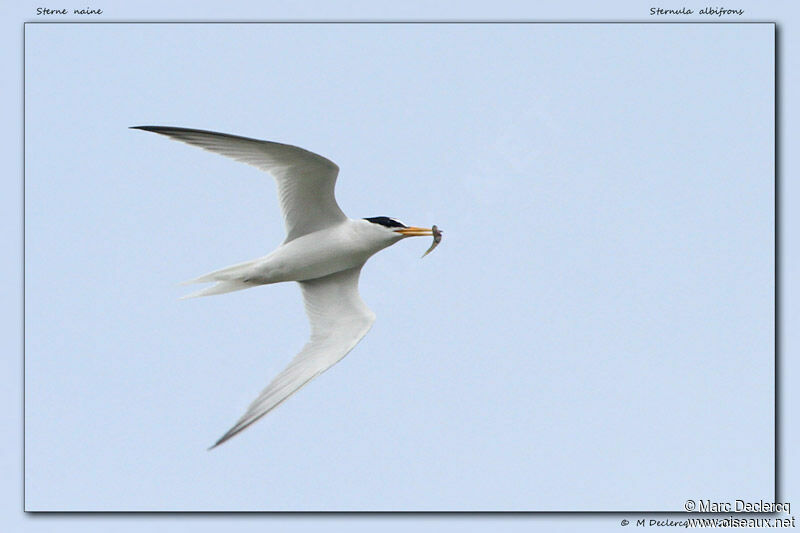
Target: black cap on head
{"x":386,"y":221}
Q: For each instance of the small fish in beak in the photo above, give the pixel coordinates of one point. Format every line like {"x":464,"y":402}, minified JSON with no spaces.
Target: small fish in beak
{"x":437,"y":238}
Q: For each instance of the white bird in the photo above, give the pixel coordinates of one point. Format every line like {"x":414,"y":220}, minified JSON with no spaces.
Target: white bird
{"x":323,"y":251}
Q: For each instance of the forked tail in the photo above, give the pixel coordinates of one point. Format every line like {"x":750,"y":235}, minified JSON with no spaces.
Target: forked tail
{"x":228,"y":279}
{"x":221,"y":288}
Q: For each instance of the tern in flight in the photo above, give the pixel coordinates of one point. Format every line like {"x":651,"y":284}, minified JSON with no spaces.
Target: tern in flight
{"x":323,"y":251}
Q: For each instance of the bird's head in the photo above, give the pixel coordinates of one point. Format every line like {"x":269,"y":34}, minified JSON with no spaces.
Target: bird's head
{"x":385,"y":231}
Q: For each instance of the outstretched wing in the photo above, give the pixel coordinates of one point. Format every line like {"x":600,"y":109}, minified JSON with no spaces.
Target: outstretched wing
{"x":305,"y":180}
{"x":339,"y":319}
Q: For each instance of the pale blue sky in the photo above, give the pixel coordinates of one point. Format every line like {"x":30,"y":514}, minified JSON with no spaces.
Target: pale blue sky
{"x":605,"y":280}
{"x":593,"y":185}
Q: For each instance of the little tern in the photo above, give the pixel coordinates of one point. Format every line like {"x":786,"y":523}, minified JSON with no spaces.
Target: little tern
{"x":324,"y":251}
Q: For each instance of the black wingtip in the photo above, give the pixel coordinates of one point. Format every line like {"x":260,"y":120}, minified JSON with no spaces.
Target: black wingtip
{"x":223,"y":438}
{"x":155,"y":129}
{"x":175,"y":131}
